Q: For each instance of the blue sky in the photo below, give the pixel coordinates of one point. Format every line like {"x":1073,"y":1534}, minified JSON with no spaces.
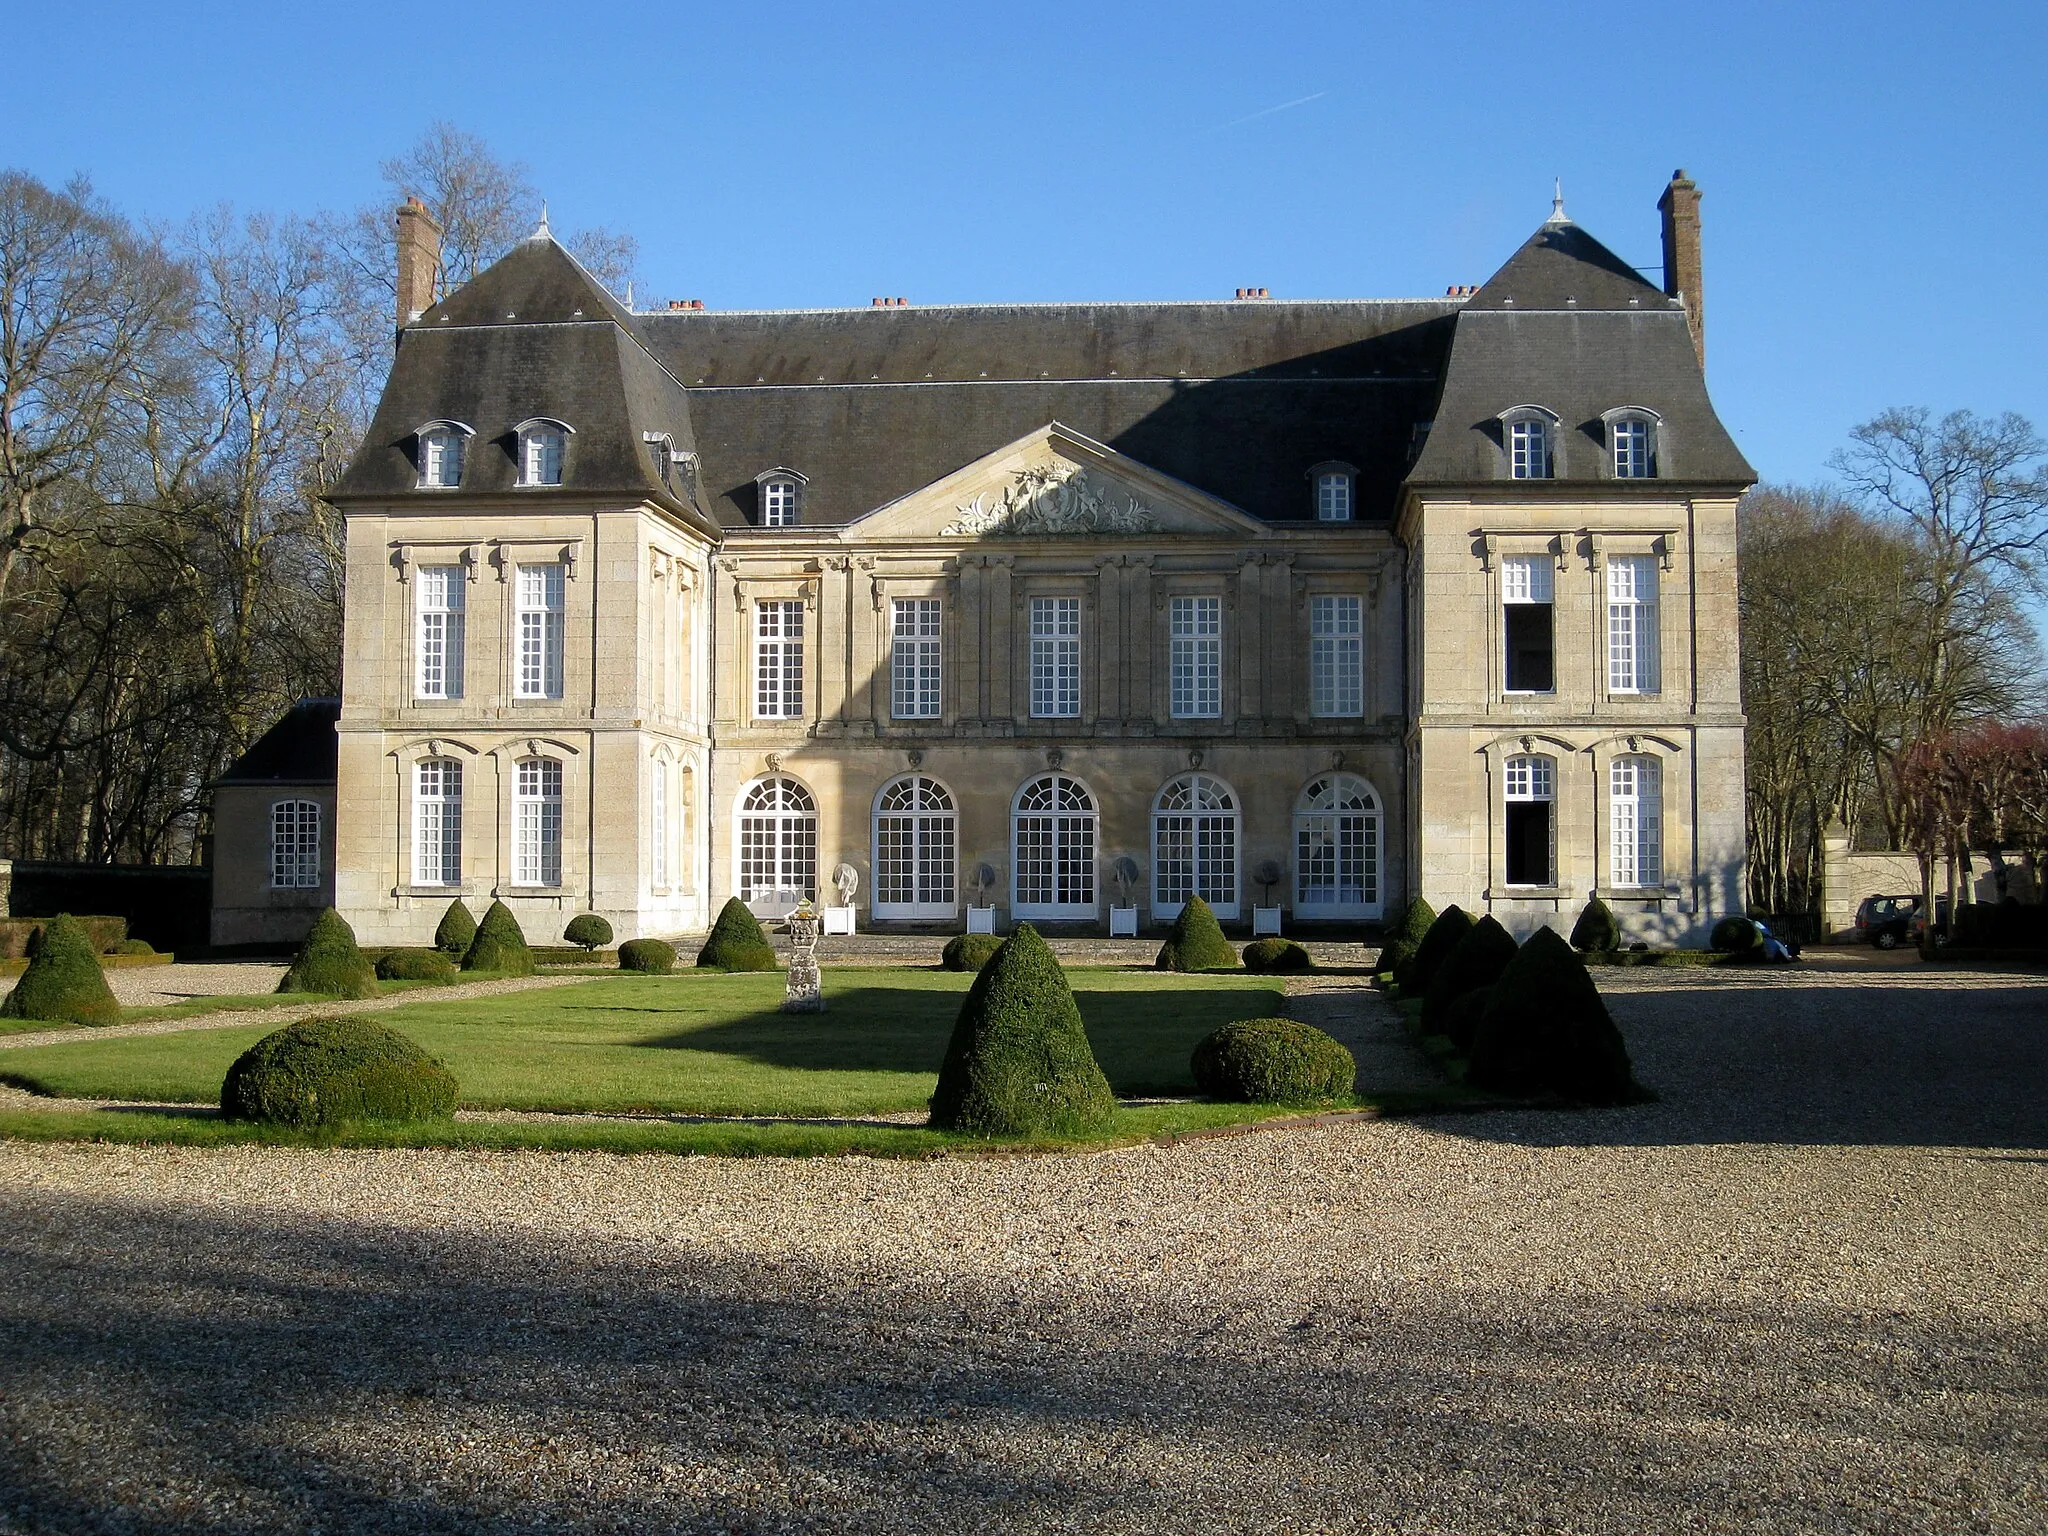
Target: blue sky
{"x":1874,"y":217}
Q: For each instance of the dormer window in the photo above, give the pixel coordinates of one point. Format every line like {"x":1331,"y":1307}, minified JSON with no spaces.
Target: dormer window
{"x":442,"y":450}
{"x":1632,"y":443}
{"x":1334,"y":499}
{"x":1531,"y":442}
{"x":782,"y":498}
{"x":543,"y":444}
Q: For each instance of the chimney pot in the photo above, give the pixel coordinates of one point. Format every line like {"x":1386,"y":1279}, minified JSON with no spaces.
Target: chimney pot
{"x":1680,"y":206}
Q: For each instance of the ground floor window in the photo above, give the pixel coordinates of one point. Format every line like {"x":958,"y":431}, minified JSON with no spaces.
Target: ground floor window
{"x":437,"y":822}
{"x":1635,"y":813}
{"x":295,"y":844}
{"x":1531,"y":830}
{"x":1054,"y":833}
{"x":915,"y":834}
{"x":537,"y":822}
{"x":1337,"y":849}
{"x":1194,"y":846}
{"x":778,"y":846}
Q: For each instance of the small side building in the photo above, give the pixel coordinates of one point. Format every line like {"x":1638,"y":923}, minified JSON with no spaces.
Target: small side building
{"x":273,"y":830}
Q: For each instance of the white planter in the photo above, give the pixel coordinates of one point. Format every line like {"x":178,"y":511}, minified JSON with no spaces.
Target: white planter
{"x":1265,"y":922}
{"x":1123,"y":922}
{"x":981,"y":919}
{"x":838,"y":919}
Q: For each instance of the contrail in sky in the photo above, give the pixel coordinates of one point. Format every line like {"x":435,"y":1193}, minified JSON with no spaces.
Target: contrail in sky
{"x":1265,"y":112}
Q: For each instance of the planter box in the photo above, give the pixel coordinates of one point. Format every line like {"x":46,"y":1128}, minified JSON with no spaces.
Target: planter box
{"x":981,"y":919}
{"x":1123,"y":922}
{"x":837,"y":919}
{"x":1265,"y":922}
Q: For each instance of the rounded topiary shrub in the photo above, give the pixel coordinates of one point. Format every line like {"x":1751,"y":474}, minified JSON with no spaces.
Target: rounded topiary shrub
{"x":329,"y":962}
{"x":1404,"y":933}
{"x":1596,"y":929}
{"x":651,"y":957}
{"x":499,"y":945}
{"x":1019,"y":1062}
{"x":1545,"y":1030}
{"x":736,"y":942}
{"x":416,"y":965}
{"x":456,"y":932}
{"x":1451,"y":925}
{"x":1734,"y":936}
{"x":1196,"y":942}
{"x":969,"y":951}
{"x":63,"y":982}
{"x":1273,"y":1061}
{"x":321,"y":1073}
{"x":1476,"y":960}
{"x":587,"y":931}
{"x":1268,"y":956}
{"x":133,"y":947}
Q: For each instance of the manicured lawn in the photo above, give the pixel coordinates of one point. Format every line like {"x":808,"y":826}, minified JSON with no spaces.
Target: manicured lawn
{"x":696,"y":1043}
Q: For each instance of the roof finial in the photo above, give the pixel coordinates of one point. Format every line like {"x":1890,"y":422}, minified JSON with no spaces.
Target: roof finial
{"x":629,"y":295}
{"x":543,"y":233}
{"x":1557,"y":213}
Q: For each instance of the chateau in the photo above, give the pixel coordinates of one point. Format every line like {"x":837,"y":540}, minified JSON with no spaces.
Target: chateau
{"x":1041,"y":609}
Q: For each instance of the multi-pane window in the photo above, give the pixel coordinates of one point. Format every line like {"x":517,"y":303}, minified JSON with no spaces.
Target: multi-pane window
{"x":1333,"y":497}
{"x":1054,"y":832}
{"x":1336,"y":655}
{"x":295,"y":844}
{"x":541,"y":600}
{"x":1527,"y":592}
{"x":441,"y":458}
{"x":778,"y":854}
{"x":1194,"y":846}
{"x":657,"y":830}
{"x":537,"y":822}
{"x":914,"y":850}
{"x":443,"y":596}
{"x":437,"y":822}
{"x":540,"y":455}
{"x":779,"y":659}
{"x":1337,"y":849}
{"x":1529,"y":449}
{"x":914,"y":658}
{"x":1197,"y":638}
{"x":1531,"y":791}
{"x":1635,"y":814}
{"x":778,"y":503}
{"x":1055,"y":657}
{"x":1632,"y":453}
{"x":1632,"y":624}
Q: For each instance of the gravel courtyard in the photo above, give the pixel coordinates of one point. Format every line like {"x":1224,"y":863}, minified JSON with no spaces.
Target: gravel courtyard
{"x":1804,"y":1291}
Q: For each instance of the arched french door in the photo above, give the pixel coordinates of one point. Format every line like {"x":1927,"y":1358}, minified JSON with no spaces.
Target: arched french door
{"x":1337,"y":849}
{"x":1053,"y":840}
{"x":915,"y":837}
{"x":776,"y":833}
{"x":1194,"y":846}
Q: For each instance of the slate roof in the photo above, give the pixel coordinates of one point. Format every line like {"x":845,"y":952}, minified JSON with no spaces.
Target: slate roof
{"x":299,"y":749}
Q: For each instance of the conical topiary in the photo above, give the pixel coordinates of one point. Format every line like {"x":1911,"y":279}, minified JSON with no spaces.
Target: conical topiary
{"x":457,"y":931}
{"x":1596,"y":928}
{"x":499,"y":945}
{"x":1451,"y":925}
{"x":736,"y":942}
{"x":329,"y":962}
{"x":63,"y":982}
{"x":1403,"y":935}
{"x":1475,"y":961}
{"x":1547,"y":1031}
{"x":1019,"y":1062}
{"x":1196,"y":942}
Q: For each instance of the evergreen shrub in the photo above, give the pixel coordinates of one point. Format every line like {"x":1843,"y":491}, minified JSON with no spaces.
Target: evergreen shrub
{"x":969,"y":951}
{"x":1545,"y":1030}
{"x":1459,"y":1023}
{"x":736,"y":942}
{"x":499,"y":945}
{"x":651,"y":957}
{"x":1476,"y":960}
{"x":416,"y":965}
{"x":1019,"y":1062}
{"x":321,"y":1073}
{"x":63,"y":982}
{"x":1734,"y":936}
{"x":1596,"y":929}
{"x":1196,"y":942}
{"x":587,"y":931}
{"x":1273,"y":1061}
{"x":456,"y":932}
{"x":1267,"y":956}
{"x":1403,"y":935}
{"x":133,"y":947}
{"x":1451,"y":925}
{"x":330,"y":962}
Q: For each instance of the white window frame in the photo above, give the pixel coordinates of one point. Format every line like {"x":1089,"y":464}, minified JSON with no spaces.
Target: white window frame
{"x":1633,"y":651}
{"x":1531,"y":778}
{"x":1334,"y":496}
{"x":781,"y":502}
{"x":537,"y":822}
{"x":915,"y":851}
{"x":295,"y":845}
{"x":543,"y":451}
{"x":1195,"y":639}
{"x":1531,"y":581}
{"x":916,"y":628}
{"x":444,"y":455}
{"x":779,"y":626}
{"x":1632,"y":446}
{"x":1339,"y":849}
{"x":440,"y":630}
{"x":1635,"y":819}
{"x":541,"y":601}
{"x":1531,"y":438}
{"x":1055,"y":658}
{"x":1197,"y":840}
{"x":1336,"y":655}
{"x":775,"y":845}
{"x":1055,"y":837}
{"x":657,"y":825}
{"x":437,"y":821}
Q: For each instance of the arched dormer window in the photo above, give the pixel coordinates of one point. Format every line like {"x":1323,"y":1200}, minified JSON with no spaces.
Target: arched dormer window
{"x":1529,"y":433}
{"x":1336,"y":484}
{"x":1632,"y":442}
{"x":782,"y":497}
{"x":543,"y":444}
{"x":443,"y":447}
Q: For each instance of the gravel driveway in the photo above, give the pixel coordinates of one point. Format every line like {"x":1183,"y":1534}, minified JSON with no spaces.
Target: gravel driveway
{"x":1801,"y":1292}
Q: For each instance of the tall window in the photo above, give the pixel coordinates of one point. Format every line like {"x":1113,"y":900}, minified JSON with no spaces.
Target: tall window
{"x":441,"y":453}
{"x":778,"y":855}
{"x":1055,"y":657}
{"x":1194,"y":846}
{"x":657,"y":830}
{"x":1333,"y":497}
{"x":295,"y":845}
{"x":778,"y":503}
{"x":1336,"y":655}
{"x":1635,"y":813}
{"x":437,"y":822}
{"x":915,"y":833}
{"x":1526,"y":593}
{"x":1632,"y":624}
{"x":1337,"y":849}
{"x":779,"y":659}
{"x":443,"y":596}
{"x":1633,"y":455}
{"x":537,"y":822}
{"x":541,"y":446}
{"x":1197,"y":633}
{"x":914,"y":658}
{"x":1053,"y":827}
{"x":1531,"y":793}
{"x":1529,"y":449}
{"x":542,"y":599}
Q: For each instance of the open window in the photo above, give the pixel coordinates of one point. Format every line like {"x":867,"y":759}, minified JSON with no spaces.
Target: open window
{"x":1527,"y":593}
{"x":1531,"y":800}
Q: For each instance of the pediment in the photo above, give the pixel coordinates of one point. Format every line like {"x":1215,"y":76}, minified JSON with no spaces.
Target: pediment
{"x":1054,"y":483}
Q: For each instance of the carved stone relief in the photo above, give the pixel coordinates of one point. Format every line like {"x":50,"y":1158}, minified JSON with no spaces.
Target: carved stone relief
{"x":1051,"y":499}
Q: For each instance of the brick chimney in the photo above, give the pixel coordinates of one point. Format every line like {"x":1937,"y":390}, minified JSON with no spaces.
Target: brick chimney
{"x":419,"y":260}
{"x":1680,"y":206}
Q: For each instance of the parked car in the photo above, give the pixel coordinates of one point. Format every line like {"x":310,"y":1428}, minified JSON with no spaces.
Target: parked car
{"x":1889,"y":921}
